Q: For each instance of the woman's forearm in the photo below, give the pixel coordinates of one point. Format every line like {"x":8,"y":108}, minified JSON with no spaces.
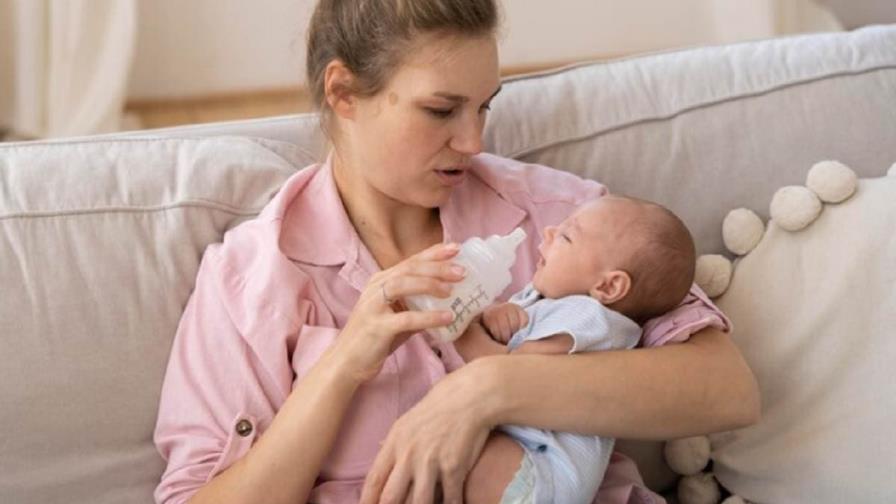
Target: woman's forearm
{"x":283,"y":465}
{"x":696,"y":387}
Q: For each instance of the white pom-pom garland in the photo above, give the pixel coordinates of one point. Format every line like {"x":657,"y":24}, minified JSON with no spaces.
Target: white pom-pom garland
{"x":734,"y":499}
{"x":699,"y":489}
{"x":687,"y":456}
{"x":794,"y":207}
{"x":832,"y":181}
{"x":741,"y":230}
{"x":713,"y":274}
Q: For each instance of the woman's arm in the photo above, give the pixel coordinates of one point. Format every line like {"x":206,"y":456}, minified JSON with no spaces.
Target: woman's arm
{"x":283,"y":465}
{"x":699,"y":386}
{"x":702,"y":385}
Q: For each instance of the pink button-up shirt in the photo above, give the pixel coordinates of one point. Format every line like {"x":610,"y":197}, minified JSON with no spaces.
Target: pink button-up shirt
{"x":274,"y":295}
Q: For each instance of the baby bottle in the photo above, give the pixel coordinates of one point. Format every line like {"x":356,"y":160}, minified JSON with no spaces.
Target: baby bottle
{"x":488,"y":265}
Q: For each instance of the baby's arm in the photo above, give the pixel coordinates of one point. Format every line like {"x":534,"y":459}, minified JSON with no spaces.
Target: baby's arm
{"x":556,"y":344}
{"x":489,"y":334}
{"x":475,"y":342}
{"x":503,"y":320}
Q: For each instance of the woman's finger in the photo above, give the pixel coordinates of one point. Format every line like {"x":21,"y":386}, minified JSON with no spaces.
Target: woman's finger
{"x":446,"y":271}
{"x":452,"y":484}
{"x":438,"y":252}
{"x":413,"y":321}
{"x":396,"y":488}
{"x":377,"y":476}
{"x":423,"y":488}
{"x":398,"y":287}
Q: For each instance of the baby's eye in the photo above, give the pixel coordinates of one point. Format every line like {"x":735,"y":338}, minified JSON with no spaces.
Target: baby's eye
{"x":440,"y":113}
{"x":566,"y":237}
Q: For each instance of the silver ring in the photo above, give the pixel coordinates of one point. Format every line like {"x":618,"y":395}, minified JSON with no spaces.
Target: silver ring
{"x":385,"y":297}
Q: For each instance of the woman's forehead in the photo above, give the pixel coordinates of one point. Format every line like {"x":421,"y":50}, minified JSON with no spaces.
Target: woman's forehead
{"x":451,"y":66}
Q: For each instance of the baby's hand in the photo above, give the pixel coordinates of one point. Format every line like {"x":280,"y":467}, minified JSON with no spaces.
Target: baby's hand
{"x":502,"y":320}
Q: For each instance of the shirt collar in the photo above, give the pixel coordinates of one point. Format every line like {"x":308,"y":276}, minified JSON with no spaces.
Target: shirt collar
{"x":317,"y":230}
{"x":480,"y":206}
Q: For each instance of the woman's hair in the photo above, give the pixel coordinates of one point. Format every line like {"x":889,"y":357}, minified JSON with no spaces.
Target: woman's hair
{"x":372,"y":37}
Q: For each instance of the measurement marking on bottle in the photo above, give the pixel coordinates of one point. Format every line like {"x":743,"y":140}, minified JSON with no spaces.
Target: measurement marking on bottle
{"x":462,"y":307}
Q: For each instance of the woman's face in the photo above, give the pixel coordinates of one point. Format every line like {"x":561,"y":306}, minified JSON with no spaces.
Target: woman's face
{"x":412,"y":141}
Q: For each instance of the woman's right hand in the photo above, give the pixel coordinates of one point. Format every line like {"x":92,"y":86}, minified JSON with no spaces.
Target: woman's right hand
{"x":379,"y":322}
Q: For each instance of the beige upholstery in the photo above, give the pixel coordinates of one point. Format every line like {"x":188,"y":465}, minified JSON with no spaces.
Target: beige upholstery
{"x":100,"y":238}
{"x":816,"y":316}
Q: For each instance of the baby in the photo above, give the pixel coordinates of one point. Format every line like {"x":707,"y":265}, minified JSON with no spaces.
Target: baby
{"x":612,"y":265}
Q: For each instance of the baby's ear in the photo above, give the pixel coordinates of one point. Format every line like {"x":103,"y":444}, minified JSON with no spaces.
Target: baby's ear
{"x":612,"y":287}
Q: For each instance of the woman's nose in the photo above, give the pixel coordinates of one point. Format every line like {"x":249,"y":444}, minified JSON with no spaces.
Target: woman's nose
{"x":467,"y":137}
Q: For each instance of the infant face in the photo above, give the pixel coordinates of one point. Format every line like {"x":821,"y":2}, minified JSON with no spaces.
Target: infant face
{"x":588,"y":243}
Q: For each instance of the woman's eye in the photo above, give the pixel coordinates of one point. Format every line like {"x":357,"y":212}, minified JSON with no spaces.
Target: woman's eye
{"x":440,"y":113}
{"x":485,"y":108}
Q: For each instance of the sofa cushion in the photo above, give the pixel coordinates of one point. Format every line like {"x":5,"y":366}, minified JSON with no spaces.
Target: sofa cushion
{"x":815,"y":312}
{"x":702,"y":130}
{"x":100,"y":242}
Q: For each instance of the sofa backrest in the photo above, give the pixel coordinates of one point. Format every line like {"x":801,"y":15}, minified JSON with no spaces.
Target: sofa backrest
{"x":100,"y":238}
{"x":100,"y":242}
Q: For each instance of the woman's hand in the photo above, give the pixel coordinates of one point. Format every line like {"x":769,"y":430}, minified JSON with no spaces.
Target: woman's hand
{"x":379,"y":323}
{"x":434,"y":444}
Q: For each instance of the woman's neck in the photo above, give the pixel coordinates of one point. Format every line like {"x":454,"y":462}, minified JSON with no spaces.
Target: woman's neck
{"x":391,"y":230}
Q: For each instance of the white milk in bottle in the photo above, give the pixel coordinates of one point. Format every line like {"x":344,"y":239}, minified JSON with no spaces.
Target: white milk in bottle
{"x":488,"y":264}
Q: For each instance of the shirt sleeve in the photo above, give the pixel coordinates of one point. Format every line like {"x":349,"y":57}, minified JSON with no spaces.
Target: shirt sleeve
{"x":695,"y":312}
{"x":591,"y":326}
{"x":219,"y":393}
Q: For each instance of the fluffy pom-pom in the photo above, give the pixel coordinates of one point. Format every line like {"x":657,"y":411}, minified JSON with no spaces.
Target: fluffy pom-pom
{"x":741,"y":230}
{"x":687,"y":456}
{"x":832,"y":181}
{"x":699,"y":489}
{"x":794,"y":207}
{"x":713,"y":274}
{"x":734,"y":499}
{"x":892,"y":171}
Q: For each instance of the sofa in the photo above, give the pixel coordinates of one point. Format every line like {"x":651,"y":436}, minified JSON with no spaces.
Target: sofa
{"x":101,"y":237}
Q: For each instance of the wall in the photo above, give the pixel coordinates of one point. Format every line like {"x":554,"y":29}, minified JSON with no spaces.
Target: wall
{"x":6,"y":74}
{"x":205,"y":47}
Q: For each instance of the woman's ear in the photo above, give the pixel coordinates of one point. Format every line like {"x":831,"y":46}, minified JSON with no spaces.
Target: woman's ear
{"x":612,"y":287}
{"x":338,"y":89}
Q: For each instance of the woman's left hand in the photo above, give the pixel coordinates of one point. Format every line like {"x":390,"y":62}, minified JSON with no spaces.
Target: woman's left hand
{"x":434,"y":444}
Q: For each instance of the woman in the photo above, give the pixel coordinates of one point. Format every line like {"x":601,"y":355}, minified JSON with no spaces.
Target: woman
{"x":294,"y":374}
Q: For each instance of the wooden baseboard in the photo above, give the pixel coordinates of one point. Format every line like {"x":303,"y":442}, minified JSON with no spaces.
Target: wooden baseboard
{"x":164,"y":112}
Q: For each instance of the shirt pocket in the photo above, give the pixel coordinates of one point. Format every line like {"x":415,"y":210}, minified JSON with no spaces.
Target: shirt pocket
{"x":241,"y":435}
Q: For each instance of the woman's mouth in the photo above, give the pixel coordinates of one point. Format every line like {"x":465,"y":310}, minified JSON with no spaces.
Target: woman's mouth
{"x":452,"y":176}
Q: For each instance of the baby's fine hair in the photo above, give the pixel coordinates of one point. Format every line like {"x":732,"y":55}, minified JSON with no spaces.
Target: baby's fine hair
{"x":662,"y":267}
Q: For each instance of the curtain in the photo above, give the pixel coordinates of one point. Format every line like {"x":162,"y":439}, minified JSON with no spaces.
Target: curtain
{"x":64,"y":65}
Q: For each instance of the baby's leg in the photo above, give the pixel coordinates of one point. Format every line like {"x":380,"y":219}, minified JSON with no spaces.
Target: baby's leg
{"x":497,"y":465}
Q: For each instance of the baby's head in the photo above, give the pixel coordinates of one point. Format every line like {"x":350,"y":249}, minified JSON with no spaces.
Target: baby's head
{"x":633,"y":256}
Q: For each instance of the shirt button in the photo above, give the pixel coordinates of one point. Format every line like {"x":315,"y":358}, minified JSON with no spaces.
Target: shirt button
{"x":244,"y":428}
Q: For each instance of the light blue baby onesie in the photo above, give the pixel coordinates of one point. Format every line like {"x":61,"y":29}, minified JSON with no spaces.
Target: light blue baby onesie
{"x":568,"y":468}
